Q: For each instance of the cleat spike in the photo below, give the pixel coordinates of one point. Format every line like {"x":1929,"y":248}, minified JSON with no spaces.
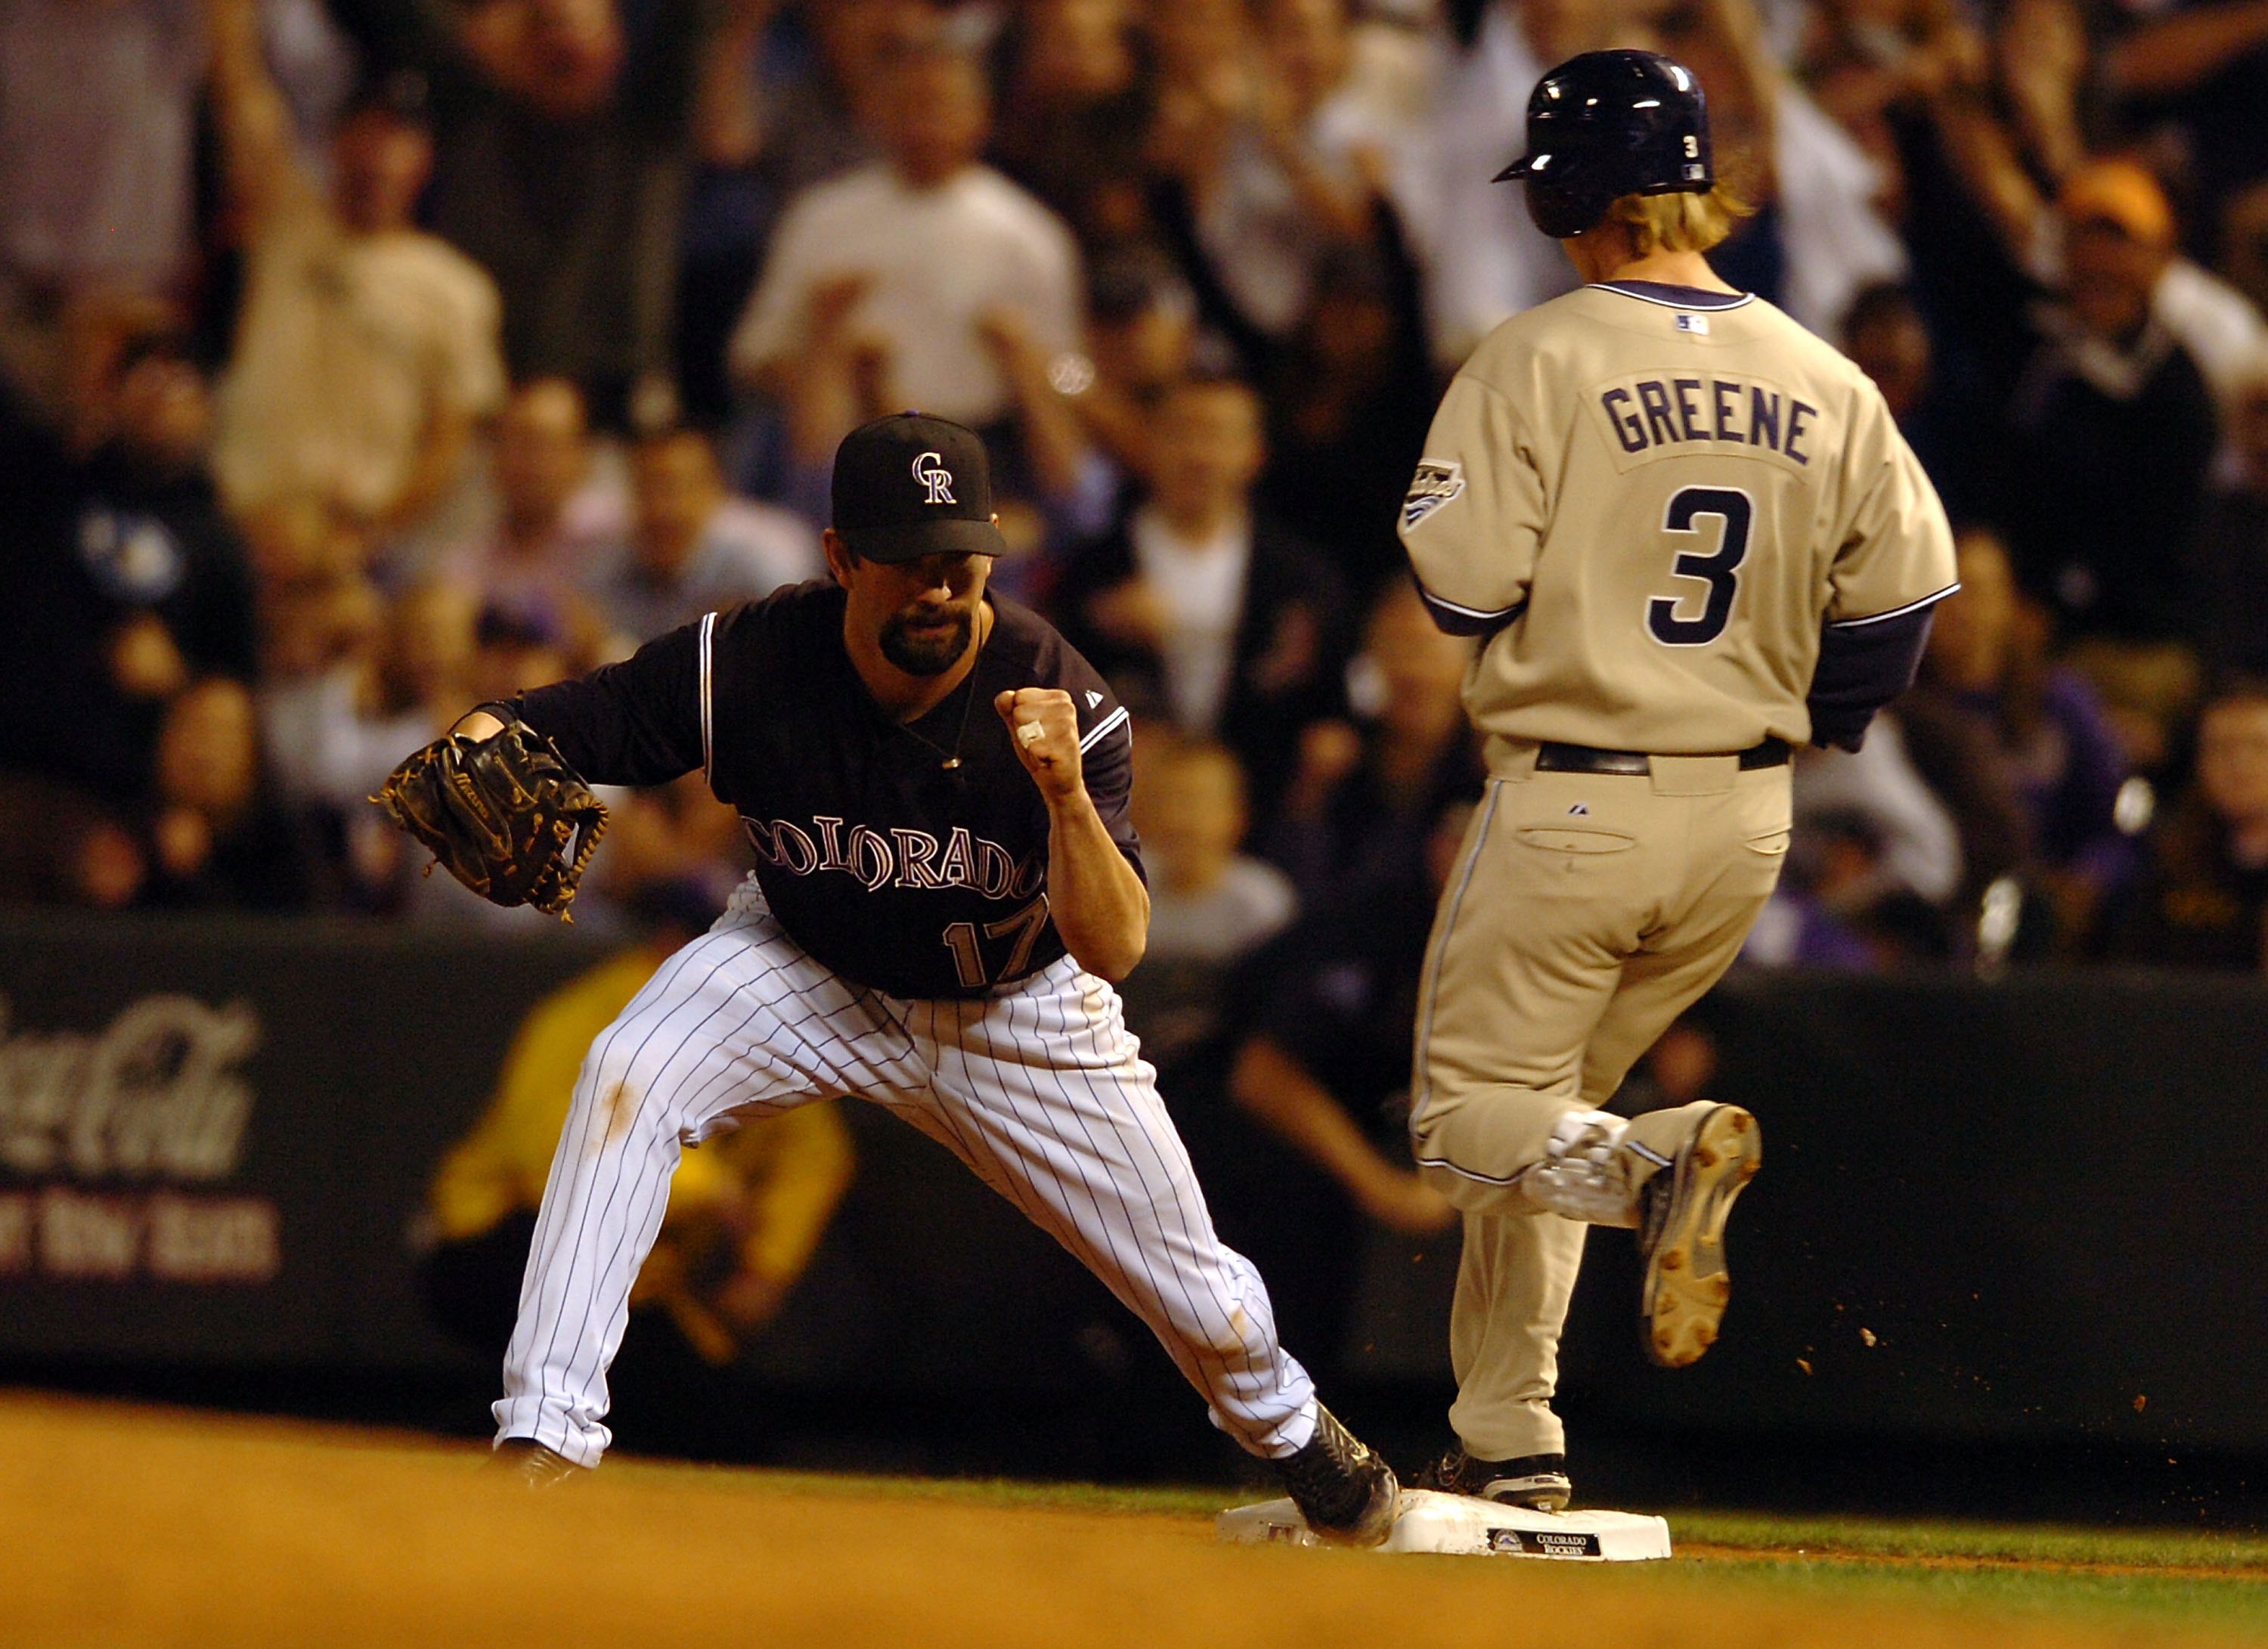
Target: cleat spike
{"x":1681,"y":1238}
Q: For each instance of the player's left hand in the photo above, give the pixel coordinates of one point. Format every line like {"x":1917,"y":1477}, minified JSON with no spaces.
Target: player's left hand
{"x":1043,"y":731}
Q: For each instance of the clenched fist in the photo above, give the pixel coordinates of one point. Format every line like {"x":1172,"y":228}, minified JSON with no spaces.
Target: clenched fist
{"x":1043,"y":731}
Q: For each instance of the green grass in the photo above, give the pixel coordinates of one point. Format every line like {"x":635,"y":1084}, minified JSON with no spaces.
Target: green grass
{"x":2017,"y":1543}
{"x":2154,"y":1577}
{"x":2146,"y":1577}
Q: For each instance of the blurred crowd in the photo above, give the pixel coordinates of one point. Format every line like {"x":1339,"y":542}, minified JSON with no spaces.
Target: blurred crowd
{"x":363,"y":359}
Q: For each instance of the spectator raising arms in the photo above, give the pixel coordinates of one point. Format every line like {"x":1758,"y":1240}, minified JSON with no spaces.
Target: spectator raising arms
{"x":563,"y":142}
{"x":1077,"y":105}
{"x":366,"y":348}
{"x":882,"y":285}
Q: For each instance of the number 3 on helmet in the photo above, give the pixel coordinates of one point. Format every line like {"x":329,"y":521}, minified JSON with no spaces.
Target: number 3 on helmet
{"x":1609,"y":124}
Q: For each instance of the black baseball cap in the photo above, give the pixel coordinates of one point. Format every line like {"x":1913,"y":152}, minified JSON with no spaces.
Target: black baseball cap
{"x":910,"y":486}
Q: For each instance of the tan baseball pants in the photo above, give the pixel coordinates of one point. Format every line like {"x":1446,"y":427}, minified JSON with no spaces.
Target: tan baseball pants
{"x":1586,"y":913}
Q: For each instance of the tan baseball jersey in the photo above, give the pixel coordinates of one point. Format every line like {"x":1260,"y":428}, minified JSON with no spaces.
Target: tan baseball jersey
{"x":1656,"y":498}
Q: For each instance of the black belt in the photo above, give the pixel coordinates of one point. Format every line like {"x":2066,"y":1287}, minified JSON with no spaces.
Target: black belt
{"x":1581,"y":758}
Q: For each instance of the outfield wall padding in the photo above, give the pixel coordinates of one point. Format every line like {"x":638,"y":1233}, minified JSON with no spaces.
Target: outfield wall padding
{"x":2026,"y":1208}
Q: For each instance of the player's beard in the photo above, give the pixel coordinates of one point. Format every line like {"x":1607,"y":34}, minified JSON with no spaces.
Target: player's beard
{"x":927,"y":652}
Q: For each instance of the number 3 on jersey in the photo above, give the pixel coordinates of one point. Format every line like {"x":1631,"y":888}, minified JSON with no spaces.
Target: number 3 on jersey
{"x":1719,"y":570}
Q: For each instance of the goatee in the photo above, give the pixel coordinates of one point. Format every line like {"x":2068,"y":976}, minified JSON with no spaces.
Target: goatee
{"x":929,"y":652}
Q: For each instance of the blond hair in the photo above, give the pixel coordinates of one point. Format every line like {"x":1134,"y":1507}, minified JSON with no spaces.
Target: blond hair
{"x":1678,"y":223}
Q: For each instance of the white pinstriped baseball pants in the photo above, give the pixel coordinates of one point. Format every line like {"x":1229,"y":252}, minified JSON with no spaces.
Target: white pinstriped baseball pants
{"x":1041,"y":1090}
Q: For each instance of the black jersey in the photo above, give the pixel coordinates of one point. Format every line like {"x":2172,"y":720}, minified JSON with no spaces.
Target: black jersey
{"x":892,"y":869}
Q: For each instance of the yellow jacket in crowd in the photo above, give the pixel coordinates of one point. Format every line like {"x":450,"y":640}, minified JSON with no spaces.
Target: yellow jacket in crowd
{"x":773,"y":1184}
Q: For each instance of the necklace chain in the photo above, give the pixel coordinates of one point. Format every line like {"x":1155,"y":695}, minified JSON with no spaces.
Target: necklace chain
{"x":952,"y":756}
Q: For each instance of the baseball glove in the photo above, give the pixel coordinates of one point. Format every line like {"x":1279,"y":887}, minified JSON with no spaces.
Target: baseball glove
{"x":505,"y":814}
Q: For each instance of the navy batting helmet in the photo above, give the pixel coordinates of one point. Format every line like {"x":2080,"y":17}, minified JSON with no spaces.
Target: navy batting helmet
{"x":1609,"y":124}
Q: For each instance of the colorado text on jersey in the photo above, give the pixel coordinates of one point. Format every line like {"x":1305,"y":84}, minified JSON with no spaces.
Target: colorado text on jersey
{"x":896,"y":857}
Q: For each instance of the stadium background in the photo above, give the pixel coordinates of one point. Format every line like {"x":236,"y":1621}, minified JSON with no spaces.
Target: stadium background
{"x":366,"y":360}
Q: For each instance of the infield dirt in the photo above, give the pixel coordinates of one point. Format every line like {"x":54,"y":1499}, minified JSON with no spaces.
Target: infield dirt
{"x":129,"y":1526}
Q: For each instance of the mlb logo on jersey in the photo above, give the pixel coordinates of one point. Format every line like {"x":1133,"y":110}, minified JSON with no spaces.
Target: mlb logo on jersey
{"x":1698,"y":325}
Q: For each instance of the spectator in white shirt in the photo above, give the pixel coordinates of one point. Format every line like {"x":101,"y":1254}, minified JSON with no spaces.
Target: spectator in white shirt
{"x":692,"y":546}
{"x":1202,"y":610}
{"x":881,"y":284}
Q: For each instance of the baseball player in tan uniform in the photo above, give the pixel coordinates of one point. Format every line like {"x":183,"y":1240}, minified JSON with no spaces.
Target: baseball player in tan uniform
{"x":1692,"y":538}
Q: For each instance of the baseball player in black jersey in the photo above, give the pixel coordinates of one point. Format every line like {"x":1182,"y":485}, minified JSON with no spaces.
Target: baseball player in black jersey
{"x":935,"y":785}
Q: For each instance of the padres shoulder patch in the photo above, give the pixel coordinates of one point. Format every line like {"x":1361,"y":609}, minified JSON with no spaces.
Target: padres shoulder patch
{"x":1438,"y":481}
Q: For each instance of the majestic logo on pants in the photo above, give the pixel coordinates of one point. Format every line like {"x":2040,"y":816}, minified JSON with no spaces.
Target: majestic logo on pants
{"x":930,"y":470}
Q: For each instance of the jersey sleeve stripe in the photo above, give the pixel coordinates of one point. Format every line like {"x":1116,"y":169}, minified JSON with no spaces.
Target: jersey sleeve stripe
{"x":1896,"y":612}
{"x":1094,"y":736}
{"x":708,"y":718}
{"x":1454,"y":620}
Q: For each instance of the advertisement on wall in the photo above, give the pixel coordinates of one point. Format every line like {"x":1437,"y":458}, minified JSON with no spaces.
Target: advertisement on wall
{"x":215,"y":1136}
{"x":118,"y":1139}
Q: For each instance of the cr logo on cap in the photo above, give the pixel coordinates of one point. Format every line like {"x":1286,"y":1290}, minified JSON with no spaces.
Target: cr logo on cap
{"x":930,"y":470}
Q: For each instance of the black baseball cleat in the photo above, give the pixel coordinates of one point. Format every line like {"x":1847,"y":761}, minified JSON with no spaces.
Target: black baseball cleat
{"x":531,"y":1464}
{"x":1537,"y":1482}
{"x":1342,"y":1487}
{"x":1682,"y":1212}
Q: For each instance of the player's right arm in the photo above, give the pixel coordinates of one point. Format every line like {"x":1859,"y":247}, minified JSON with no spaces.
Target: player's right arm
{"x":642,"y":721}
{"x":1475,"y":512}
{"x":1096,"y":897}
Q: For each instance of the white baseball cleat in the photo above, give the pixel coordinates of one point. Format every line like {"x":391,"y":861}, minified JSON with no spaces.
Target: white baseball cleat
{"x":1682,"y":1236}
